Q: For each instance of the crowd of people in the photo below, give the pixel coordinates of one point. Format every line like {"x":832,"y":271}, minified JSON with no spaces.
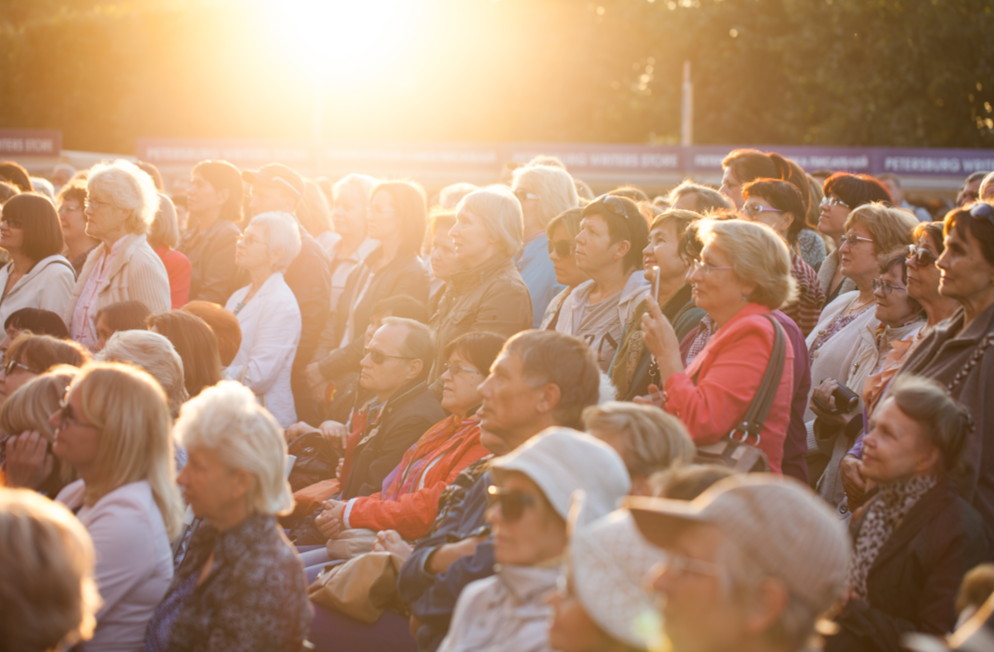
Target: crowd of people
{"x":277,"y":413}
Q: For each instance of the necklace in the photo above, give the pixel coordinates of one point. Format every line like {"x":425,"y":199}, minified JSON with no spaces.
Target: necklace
{"x":855,"y":308}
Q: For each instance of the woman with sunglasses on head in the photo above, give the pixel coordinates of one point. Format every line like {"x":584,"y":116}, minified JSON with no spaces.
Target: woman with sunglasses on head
{"x":561,"y":233}
{"x":956,"y":352}
{"x":487,"y":293}
{"x":529,"y":505}
{"x":267,"y":313}
{"x":844,"y":193}
{"x":37,"y":276}
{"x":114,"y":429}
{"x":778,"y":205}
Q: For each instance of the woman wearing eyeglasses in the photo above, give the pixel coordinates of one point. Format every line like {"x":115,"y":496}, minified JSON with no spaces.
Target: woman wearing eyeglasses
{"x":487,"y":293}
{"x":956,"y":353}
{"x":37,"y":276}
{"x":529,"y":505}
{"x":267,"y":313}
{"x":844,"y":193}
{"x":114,"y":429}
{"x":561,"y":233}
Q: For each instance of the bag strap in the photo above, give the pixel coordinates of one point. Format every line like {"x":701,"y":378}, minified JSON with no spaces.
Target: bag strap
{"x":762,"y":402}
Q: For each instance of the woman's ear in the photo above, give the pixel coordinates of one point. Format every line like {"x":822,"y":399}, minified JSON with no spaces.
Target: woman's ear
{"x":223,"y":195}
{"x":275,"y":255}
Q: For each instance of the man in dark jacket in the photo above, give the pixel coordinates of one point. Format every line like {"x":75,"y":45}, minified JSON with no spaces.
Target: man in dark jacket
{"x":276,"y":187}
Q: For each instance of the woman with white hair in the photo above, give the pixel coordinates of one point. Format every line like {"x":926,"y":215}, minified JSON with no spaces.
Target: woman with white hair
{"x":488,"y":293}
{"x":121,"y":203}
{"x":114,"y":428}
{"x":267,"y":313}
{"x":241,"y":585}
{"x":155,"y":354}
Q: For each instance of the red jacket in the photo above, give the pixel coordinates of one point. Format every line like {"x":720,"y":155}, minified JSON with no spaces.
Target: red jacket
{"x":729,"y":371}
{"x":438,"y":457}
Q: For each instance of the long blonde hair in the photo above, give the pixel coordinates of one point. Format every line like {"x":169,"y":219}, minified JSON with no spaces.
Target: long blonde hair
{"x":130,"y":409}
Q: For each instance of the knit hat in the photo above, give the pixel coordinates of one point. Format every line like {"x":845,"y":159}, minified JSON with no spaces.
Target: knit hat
{"x":609,"y":561}
{"x":276,"y":175}
{"x":561,"y":460}
{"x":778,"y":521}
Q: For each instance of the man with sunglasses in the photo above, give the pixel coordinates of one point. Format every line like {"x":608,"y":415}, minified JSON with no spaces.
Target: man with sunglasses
{"x":609,"y":248}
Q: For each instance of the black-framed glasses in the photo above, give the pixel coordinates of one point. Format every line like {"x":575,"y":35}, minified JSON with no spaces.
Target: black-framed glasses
{"x":752,"y":210}
{"x":983,"y":210}
{"x":379,"y":357}
{"x":512,"y":503}
{"x":832,"y":200}
{"x":67,"y":414}
{"x":886,"y":286}
{"x":563,"y":248}
{"x":920,"y":256}
{"x":522,"y":195}
{"x":14,"y":365}
{"x":852,"y":239}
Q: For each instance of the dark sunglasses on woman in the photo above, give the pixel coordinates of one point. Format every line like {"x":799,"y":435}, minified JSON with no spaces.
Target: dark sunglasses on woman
{"x":512,"y":503}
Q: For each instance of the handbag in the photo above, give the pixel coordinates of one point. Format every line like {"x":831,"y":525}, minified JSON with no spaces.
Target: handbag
{"x":738,"y":450}
{"x":317,"y":459}
{"x":363,"y":587}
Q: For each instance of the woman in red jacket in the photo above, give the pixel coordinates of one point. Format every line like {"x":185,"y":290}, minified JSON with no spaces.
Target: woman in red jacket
{"x":743,"y":274}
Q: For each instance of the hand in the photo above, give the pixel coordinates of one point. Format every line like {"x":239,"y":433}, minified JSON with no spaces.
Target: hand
{"x":329,"y":526}
{"x":853,"y":482}
{"x":661,"y":341}
{"x":390,"y":541}
{"x":28,"y":460}
{"x":447,"y":553}
{"x":824,"y":391}
{"x":313,"y":375}
{"x":299,"y":429}
{"x":340,"y":468}
{"x":655,"y":397}
{"x":336,"y":433}
{"x":336,"y":508}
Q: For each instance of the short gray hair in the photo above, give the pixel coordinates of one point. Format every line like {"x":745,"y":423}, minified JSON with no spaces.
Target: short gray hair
{"x":554,"y":187}
{"x":130,"y":188}
{"x":283,"y":233}
{"x":708,"y":199}
{"x":654,"y":439}
{"x":500,"y":212}
{"x":419,"y":343}
{"x":227,"y":420}
{"x":156,"y":355}
{"x":165,"y":227}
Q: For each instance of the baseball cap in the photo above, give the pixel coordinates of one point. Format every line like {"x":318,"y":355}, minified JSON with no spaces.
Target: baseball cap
{"x":276,"y":175}
{"x":778,"y":521}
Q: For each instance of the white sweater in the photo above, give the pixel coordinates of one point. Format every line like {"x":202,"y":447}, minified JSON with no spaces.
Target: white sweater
{"x":47,"y":286}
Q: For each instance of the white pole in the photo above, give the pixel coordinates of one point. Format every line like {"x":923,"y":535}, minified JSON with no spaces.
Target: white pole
{"x":687,"y":113}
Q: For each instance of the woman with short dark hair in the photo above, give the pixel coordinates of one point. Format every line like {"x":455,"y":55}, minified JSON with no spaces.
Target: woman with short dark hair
{"x":37,"y":276}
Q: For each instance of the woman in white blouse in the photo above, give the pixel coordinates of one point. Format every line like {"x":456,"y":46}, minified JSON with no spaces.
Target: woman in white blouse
{"x":267,"y":313}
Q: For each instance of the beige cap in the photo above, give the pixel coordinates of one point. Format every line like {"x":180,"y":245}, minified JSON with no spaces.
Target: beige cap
{"x":778,"y":521}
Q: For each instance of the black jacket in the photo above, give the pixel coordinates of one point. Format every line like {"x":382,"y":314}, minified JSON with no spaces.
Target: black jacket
{"x":913,"y":582}
{"x":212,"y":256}
{"x":405,"y":417}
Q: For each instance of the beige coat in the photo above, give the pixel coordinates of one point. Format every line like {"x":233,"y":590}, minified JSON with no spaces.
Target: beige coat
{"x":137,"y":274}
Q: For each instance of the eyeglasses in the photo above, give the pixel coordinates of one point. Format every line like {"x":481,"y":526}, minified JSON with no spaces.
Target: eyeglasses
{"x":69,"y":208}
{"x":920,"y":256}
{"x":563,"y":248}
{"x":512,"y":503}
{"x":828,"y":202}
{"x":522,"y":195}
{"x":14,"y":365}
{"x":66,"y":414}
{"x":455,"y":369}
{"x":379,"y":357}
{"x":12,"y":224}
{"x":249,"y":240}
{"x":752,"y":210}
{"x":95,"y":203}
{"x":984,"y":211}
{"x":886,"y":286}
{"x":704,"y":267}
{"x":852,"y":239}
{"x":679,"y":565}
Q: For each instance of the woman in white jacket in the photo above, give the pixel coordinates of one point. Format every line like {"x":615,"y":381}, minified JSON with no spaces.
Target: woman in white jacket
{"x":267,"y":313}
{"x":37,"y":276}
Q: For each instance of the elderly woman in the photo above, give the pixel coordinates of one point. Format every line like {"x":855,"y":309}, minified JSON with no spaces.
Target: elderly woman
{"x":196,"y":345}
{"x":48,"y":597}
{"x":120,"y":206}
{"x":120,"y":316}
{"x":241,"y":585}
{"x":529,"y":505}
{"x":561,"y":233}
{"x":487,"y":293}
{"x":544,"y":192}
{"x":37,"y":276}
{"x":844,"y":193}
{"x":953,"y":353}
{"x":778,"y":205}
{"x":267,"y":313}
{"x":163,"y":238}
{"x":30,"y":355}
{"x":154,"y":354}
{"x":743,"y":274}
{"x":114,"y":428}
{"x":917,"y":538}
{"x":71,"y":203}
{"x":214,"y":205}
{"x":350,"y":196}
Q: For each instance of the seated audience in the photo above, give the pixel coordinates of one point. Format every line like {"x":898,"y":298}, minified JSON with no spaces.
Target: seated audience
{"x":155,"y":355}
{"x":529,"y":505}
{"x":120,"y":316}
{"x":225,"y":326}
{"x":163,"y":237}
{"x":487,"y":293}
{"x":917,"y":537}
{"x":241,"y":585}
{"x":609,"y":248}
{"x":114,"y":428}
{"x":37,"y":276}
{"x":48,"y":598}
{"x":268,"y":313}
{"x":561,"y":233}
{"x":196,"y":345}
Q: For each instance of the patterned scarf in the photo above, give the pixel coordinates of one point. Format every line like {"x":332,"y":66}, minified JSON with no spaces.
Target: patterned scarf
{"x":883,"y":517}
{"x":408,"y":476}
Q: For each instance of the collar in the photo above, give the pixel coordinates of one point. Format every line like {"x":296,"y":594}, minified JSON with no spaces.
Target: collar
{"x":464,"y":280}
{"x":526,"y":584}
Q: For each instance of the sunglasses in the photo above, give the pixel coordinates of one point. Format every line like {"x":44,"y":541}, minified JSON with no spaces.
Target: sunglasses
{"x":852,"y":239}
{"x":613,"y":204}
{"x":828,"y":202}
{"x":12,"y":224}
{"x":563,"y":248}
{"x":522,"y":195}
{"x":886,"y":286}
{"x":752,"y":210}
{"x":512,"y":503}
{"x":379,"y":357}
{"x":13,"y":365}
{"x":920,"y":256}
{"x":66,"y":414}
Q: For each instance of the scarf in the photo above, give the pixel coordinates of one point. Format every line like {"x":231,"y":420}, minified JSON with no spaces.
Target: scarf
{"x":408,"y":476}
{"x":882,"y":518}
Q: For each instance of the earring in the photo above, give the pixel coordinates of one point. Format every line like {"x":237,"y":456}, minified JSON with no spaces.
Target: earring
{"x":745,"y":297}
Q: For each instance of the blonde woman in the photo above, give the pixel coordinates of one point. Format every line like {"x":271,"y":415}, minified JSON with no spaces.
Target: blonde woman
{"x":241,"y":585}
{"x":114,"y":428}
